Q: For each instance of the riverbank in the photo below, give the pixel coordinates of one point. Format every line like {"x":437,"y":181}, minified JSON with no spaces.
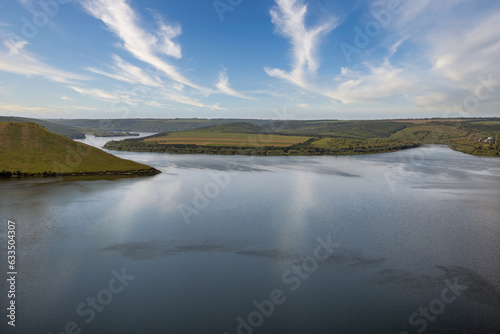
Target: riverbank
{"x":305,"y":149}
{"x":19,"y":174}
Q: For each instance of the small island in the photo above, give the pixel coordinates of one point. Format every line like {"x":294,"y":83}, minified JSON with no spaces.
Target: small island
{"x":28,"y":149}
{"x":101,"y":133}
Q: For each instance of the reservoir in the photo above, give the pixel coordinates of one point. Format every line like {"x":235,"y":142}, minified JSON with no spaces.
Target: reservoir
{"x":405,"y":242}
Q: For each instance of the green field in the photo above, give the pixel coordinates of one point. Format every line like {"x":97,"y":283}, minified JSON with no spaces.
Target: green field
{"x":29,"y":149}
{"x":227,"y":139}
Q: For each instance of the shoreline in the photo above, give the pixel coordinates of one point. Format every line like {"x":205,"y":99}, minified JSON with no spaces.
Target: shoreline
{"x":294,"y":150}
{"x":18,"y":174}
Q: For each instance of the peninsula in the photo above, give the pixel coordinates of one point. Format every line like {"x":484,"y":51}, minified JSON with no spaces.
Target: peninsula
{"x":28,"y":149}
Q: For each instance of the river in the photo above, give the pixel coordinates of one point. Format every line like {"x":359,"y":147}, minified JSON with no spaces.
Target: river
{"x":405,"y":242}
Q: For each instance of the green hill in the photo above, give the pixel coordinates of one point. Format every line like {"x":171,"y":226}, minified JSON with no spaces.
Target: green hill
{"x":58,"y":129}
{"x":149,"y":125}
{"x":237,"y":127}
{"x":344,"y":129}
{"x":29,"y":149}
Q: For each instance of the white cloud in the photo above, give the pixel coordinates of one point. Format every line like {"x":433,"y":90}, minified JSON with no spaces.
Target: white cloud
{"x":380,"y":83}
{"x":303,"y":105}
{"x":462,"y":48}
{"x":395,"y":47}
{"x":15,"y":59}
{"x":22,"y":110}
{"x":96,"y":93}
{"x":434,"y":101}
{"x":81,"y":108}
{"x":289,"y":19}
{"x":121,"y":19}
{"x":466,"y":54}
{"x":167,"y":47}
{"x":148,"y":97}
{"x":177,"y":96}
{"x":4,"y":24}
{"x":224,"y":87}
{"x":124,"y":71}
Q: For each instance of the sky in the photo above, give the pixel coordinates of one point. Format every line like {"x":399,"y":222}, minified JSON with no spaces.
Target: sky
{"x":267,"y":59}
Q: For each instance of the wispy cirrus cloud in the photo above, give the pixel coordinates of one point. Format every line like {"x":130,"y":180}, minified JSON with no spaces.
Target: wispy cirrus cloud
{"x":23,"y":109}
{"x":147,"y":47}
{"x":126,"y":72}
{"x":169,"y":95}
{"x":224,"y":87}
{"x":154,"y":97}
{"x":14,"y":58}
{"x":96,"y":93}
{"x":289,"y":19}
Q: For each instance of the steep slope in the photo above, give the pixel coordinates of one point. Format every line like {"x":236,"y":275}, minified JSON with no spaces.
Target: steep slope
{"x":29,"y":149}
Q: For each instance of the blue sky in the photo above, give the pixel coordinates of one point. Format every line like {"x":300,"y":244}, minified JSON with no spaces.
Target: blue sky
{"x":293,"y":59}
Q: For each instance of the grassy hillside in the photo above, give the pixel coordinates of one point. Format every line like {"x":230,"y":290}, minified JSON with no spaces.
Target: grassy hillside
{"x":345,"y":129}
{"x":29,"y":149}
{"x":237,"y":127}
{"x":58,"y":129}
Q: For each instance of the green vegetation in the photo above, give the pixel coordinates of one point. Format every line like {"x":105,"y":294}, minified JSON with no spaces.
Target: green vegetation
{"x":226,"y":139}
{"x":472,"y":136}
{"x":113,"y":134}
{"x":346,"y":146}
{"x":149,"y":125}
{"x":29,"y":149}
{"x":345,"y":129}
{"x":249,"y":139}
{"x":472,"y":147}
{"x":58,"y":129}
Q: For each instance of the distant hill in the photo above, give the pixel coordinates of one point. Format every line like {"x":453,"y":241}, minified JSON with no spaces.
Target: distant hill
{"x":238,"y":127}
{"x":58,"y":129}
{"x":150,"y":125}
{"x":29,"y":149}
{"x":345,"y":129}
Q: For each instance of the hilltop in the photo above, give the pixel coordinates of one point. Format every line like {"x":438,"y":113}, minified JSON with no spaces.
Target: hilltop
{"x":148,"y":124}
{"x":29,"y":149}
{"x":63,"y":130}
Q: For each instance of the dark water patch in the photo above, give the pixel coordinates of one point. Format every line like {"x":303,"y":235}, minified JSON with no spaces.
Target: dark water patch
{"x":473,"y":287}
{"x":273,"y":255}
{"x":479,"y":290}
{"x":406,"y":279}
{"x":151,"y":250}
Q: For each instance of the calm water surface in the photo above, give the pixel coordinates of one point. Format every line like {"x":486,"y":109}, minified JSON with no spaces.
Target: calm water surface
{"x":205,"y":246}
